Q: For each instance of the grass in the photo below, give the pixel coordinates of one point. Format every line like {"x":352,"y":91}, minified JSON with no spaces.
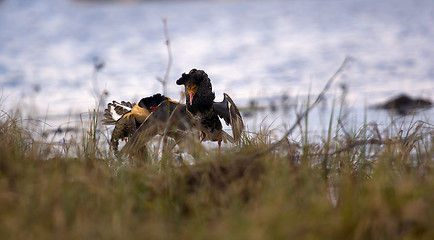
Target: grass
{"x":359,"y":184}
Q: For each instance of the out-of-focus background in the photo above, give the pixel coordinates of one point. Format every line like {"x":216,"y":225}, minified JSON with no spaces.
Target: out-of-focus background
{"x":270,"y":53}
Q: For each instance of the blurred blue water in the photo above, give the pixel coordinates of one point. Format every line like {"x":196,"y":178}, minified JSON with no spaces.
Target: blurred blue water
{"x":258,"y":49}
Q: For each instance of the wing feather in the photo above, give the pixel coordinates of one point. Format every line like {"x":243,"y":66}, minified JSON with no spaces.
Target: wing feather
{"x":124,"y":127}
{"x":236,"y":119}
{"x":230,"y":113}
{"x":167,"y":117}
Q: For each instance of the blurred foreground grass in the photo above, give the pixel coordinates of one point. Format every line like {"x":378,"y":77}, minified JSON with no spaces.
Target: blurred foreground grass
{"x":351,"y":185}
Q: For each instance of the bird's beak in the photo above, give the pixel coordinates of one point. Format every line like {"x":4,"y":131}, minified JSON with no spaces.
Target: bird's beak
{"x":191,"y":97}
{"x":191,"y":91}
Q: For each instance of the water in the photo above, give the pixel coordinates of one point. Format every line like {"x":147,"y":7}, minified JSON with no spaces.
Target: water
{"x":250,"y":49}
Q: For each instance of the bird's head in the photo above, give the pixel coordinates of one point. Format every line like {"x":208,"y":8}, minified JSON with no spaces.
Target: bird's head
{"x":150,"y":103}
{"x":192,"y":81}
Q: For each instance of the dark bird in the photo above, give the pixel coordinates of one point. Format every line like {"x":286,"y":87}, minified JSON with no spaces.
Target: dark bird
{"x":200,"y":112}
{"x":205,"y":113}
{"x":127,"y":117}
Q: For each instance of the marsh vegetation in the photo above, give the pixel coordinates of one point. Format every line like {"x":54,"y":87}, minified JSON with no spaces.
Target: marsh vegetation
{"x":361,"y":183}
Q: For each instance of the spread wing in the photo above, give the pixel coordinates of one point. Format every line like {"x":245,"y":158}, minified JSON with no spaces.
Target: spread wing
{"x":168,"y":117}
{"x":124,"y":127}
{"x":115,"y":111}
{"x":229,"y":112}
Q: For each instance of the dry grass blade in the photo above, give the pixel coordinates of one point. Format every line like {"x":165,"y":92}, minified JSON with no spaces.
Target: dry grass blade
{"x":301,"y":116}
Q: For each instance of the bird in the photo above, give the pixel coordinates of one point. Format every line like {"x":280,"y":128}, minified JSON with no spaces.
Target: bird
{"x":169,"y":119}
{"x":205,"y":113}
{"x":200,"y":113}
{"x":127,"y":116}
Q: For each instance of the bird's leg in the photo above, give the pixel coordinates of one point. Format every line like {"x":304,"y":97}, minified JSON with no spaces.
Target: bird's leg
{"x":203,"y":137}
{"x":220,"y":145}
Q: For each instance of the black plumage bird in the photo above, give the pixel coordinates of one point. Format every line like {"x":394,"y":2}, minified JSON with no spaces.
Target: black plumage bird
{"x":205,"y":113}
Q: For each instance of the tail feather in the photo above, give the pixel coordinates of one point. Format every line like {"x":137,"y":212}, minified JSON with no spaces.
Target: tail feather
{"x":115,"y":111}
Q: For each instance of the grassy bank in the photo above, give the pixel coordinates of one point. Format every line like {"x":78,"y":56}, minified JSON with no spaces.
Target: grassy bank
{"x":360,"y":184}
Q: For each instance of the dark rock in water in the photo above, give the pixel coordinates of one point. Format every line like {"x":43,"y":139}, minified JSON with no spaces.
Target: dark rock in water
{"x":404,"y":104}
{"x":273,"y":106}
